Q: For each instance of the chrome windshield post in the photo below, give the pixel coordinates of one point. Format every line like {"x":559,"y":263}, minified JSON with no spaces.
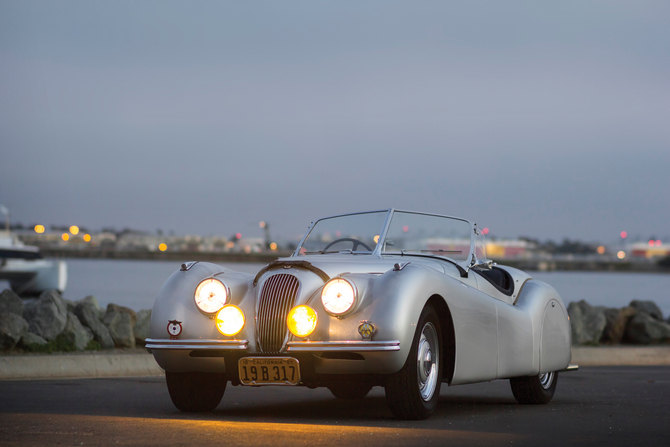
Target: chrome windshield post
{"x":382,"y":236}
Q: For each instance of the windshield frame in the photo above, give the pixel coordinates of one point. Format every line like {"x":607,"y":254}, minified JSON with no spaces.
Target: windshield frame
{"x":382,"y":236}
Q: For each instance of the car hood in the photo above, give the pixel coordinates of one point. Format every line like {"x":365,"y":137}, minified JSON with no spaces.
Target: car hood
{"x":336,"y":264}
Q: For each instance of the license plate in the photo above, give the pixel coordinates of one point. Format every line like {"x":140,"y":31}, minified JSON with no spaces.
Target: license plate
{"x":269,"y":371}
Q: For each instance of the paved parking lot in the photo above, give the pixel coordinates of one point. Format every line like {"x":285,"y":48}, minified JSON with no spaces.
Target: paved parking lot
{"x":593,"y":406}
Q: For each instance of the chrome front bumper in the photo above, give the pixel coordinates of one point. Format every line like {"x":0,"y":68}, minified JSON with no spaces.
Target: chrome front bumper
{"x":228,"y":345}
{"x":292,"y":346}
{"x":348,"y":346}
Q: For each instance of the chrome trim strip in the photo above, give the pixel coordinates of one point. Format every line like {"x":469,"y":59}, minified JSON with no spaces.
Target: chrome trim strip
{"x":197,"y":344}
{"x":355,"y":346}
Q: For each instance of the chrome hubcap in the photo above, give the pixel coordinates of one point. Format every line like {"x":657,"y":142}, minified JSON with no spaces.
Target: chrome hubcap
{"x":427,"y":362}
{"x":546,"y":379}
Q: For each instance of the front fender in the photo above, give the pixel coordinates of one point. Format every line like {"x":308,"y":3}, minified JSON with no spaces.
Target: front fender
{"x":392,"y":302}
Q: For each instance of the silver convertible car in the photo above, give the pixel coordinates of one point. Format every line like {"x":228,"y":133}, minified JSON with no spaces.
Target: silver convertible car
{"x":390,"y":298}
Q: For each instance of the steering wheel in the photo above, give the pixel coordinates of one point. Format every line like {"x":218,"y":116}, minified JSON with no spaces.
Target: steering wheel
{"x":356,"y":243}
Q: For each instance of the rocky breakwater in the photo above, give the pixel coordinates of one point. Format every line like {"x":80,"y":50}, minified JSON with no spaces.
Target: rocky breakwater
{"x":52,"y":323}
{"x":639,"y":323}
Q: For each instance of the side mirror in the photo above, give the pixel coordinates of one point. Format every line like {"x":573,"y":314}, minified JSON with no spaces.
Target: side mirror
{"x":485,"y":264}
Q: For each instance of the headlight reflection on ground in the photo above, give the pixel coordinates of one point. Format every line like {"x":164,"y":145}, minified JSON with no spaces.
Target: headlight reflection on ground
{"x":51,"y":429}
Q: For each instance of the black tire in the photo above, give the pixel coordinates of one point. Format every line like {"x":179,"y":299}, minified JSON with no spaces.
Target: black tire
{"x":350,"y":390}
{"x":534,"y":390}
{"x":196,"y":391}
{"x":405,"y":395}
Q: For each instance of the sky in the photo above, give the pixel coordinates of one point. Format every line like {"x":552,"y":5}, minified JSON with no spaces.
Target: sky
{"x":538,"y":119}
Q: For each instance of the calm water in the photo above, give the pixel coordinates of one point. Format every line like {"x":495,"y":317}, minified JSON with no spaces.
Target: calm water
{"x":136,"y":283}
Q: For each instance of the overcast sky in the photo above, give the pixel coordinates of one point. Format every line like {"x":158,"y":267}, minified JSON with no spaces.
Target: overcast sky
{"x":542,"y":119}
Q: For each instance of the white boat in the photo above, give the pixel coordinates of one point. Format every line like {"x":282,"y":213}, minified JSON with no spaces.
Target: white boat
{"x":25,"y":270}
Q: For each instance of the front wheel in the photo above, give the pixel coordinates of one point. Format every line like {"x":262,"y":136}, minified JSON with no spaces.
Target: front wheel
{"x":534,"y":390}
{"x":195,"y":391}
{"x":413,"y":392}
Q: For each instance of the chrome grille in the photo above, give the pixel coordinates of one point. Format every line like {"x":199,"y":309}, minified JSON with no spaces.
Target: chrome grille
{"x":276,"y":300}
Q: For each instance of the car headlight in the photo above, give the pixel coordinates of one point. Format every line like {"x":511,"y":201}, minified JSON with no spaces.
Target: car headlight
{"x":210,"y":295}
{"x":230,"y":320}
{"x":302,"y":321}
{"x":338,"y":296}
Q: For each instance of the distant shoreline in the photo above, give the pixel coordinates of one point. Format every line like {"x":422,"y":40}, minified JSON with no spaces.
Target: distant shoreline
{"x":542,"y":265}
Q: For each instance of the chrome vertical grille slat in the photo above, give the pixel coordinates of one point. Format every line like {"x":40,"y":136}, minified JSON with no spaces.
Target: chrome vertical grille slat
{"x":276,"y":300}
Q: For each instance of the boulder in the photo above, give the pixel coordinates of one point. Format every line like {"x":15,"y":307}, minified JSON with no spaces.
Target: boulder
{"x":120,"y":326}
{"x":587,"y":322}
{"x":70,"y":305}
{"x":116,"y":308}
{"x":32,"y":339}
{"x":75,"y":333}
{"x":12,"y":328}
{"x":90,"y":300}
{"x":643,"y":329}
{"x":87,"y":311}
{"x":142,"y":326}
{"x":10,"y":302}
{"x":47,"y":316}
{"x":648,"y":307}
{"x":617,"y":320}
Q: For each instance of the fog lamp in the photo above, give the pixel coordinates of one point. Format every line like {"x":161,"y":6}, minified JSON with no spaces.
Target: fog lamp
{"x":230,"y":320}
{"x":301,"y":321}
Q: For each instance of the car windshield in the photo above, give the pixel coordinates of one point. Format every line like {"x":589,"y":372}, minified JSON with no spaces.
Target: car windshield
{"x":353,"y":232}
{"x":432,"y":235}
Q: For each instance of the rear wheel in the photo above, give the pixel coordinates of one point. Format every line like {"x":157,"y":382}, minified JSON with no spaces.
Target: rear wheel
{"x":350,"y":390}
{"x":413,"y":392}
{"x":196,"y":391}
{"x":534,"y":390}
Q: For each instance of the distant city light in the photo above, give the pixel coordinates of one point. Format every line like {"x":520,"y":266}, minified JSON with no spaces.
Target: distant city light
{"x":74,"y":229}
{"x":238,"y":235}
{"x":162,"y":247}
{"x":273,"y":246}
{"x":621,"y":254}
{"x":65,"y":237}
{"x":651,"y":243}
{"x":485,"y":231}
{"x":87,"y":238}
{"x":405,"y":228}
{"x":624,"y":235}
{"x":658,"y":243}
{"x":39,"y":229}
{"x":261,"y":224}
{"x":376,"y":238}
{"x":230,"y":244}
{"x":601,"y":249}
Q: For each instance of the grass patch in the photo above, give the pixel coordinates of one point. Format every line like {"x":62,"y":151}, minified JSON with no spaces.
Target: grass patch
{"x":60,"y":344}
{"x":93,"y":346}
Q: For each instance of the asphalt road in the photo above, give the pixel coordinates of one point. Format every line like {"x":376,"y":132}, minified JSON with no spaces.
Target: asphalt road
{"x":594,"y":406}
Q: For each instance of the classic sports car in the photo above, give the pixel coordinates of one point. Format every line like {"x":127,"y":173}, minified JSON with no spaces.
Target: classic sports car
{"x":390,"y":298}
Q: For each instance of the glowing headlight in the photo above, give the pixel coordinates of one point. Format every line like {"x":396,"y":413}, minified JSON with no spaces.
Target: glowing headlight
{"x":210,"y":295}
{"x":301,"y":321}
{"x":230,"y":320}
{"x":338,"y":296}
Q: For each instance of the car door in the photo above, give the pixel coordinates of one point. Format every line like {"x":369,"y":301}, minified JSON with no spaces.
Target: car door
{"x":514,"y":328}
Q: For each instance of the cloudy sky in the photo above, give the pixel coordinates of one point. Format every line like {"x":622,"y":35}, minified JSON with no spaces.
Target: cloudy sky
{"x":543,"y":119}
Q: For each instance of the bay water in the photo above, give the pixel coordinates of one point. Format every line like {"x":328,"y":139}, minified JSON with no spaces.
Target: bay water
{"x":136,"y":284}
